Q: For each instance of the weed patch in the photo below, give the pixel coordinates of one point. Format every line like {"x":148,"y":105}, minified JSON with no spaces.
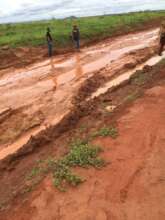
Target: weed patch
{"x":82,"y":128}
{"x":132,"y":97}
{"x":140,"y":80}
{"x":81,"y":154}
{"x":106,"y":131}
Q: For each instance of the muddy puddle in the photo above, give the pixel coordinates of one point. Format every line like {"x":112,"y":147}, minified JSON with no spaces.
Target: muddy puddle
{"x":49,"y":86}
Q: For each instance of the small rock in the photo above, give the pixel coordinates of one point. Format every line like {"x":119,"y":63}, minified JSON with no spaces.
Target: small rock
{"x":5,"y":47}
{"x":110,"y":108}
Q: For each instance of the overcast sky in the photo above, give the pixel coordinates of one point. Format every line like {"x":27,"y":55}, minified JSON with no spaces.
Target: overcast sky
{"x":24,"y":10}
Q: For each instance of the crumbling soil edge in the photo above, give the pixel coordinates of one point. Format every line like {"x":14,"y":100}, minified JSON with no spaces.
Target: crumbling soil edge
{"x":94,"y":82}
{"x":155,"y":76}
{"x":80,"y":109}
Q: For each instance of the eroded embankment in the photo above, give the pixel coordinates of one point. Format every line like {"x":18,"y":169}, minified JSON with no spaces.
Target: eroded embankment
{"x":128,"y":179}
{"x":86,"y":89}
{"x":42,"y":95}
{"x":43,"y":142}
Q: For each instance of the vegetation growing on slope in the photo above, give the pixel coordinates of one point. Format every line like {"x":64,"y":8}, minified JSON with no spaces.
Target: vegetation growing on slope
{"x":81,"y":154}
{"x":106,"y":131}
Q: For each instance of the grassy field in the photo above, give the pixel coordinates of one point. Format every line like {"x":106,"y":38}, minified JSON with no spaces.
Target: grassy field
{"x":92,"y":28}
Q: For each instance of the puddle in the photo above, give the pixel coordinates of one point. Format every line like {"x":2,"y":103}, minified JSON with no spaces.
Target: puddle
{"x":111,"y":51}
{"x":98,"y":64}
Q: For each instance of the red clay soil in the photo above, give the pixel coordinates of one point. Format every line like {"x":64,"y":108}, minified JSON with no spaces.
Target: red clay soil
{"x":130,"y":187}
{"x":40,"y":95}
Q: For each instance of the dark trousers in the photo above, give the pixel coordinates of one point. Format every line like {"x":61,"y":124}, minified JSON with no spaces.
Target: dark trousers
{"x":77,"y":43}
{"x":50,"y":49}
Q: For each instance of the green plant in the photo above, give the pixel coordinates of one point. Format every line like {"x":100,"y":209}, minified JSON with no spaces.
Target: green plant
{"x":34,"y":172}
{"x":106,"y":131}
{"x":140,"y":80}
{"x":81,"y":154}
{"x":62,"y":175}
{"x":27,"y":189}
{"x":78,"y":142}
{"x":132,"y":97}
{"x":82,"y":128}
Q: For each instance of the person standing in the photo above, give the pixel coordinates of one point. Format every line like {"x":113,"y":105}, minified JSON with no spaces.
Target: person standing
{"x":49,"y":42}
{"x":76,"y":36}
{"x":162,"y":38}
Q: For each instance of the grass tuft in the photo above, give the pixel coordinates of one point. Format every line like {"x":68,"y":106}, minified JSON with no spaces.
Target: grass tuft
{"x":132,"y":97}
{"x":140,"y":79}
{"x":106,"y":131}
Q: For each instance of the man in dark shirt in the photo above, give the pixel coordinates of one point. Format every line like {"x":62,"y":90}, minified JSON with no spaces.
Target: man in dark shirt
{"x":76,"y":36}
{"x":49,"y":41}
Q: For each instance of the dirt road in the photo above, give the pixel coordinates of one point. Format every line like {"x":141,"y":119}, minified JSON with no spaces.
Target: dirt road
{"x":40,"y":95}
{"x":131,"y":186}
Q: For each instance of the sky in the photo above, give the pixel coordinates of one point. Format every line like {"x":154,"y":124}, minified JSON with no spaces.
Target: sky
{"x":27,"y":10}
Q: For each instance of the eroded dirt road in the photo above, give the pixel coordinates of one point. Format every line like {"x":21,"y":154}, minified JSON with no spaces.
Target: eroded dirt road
{"x":41,"y":95}
{"x":131,"y":186}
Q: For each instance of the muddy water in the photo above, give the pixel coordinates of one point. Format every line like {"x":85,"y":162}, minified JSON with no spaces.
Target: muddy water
{"x":118,"y":80}
{"x":49,"y":86}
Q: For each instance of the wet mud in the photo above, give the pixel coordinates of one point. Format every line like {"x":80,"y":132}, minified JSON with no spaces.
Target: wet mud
{"x":131,"y":186}
{"x":43,"y":94}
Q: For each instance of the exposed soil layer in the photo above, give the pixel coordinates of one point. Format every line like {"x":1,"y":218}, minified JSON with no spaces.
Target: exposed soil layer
{"x":132,"y":184}
{"x":41,"y":95}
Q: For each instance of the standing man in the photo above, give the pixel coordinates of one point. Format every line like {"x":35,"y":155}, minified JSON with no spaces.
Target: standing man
{"x":49,"y":42}
{"x":162,"y":38}
{"x":76,"y":36}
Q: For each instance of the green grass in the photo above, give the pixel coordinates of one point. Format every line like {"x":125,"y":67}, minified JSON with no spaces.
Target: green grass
{"x":82,"y":128}
{"x":140,"y":79}
{"x":132,"y":97}
{"x":81,"y":154}
{"x":35,"y":171}
{"x":106,"y":131}
{"x":92,"y":28}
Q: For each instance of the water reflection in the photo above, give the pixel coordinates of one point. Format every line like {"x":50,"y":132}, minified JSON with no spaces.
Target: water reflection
{"x":78,"y":66}
{"x":53,"y":73}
